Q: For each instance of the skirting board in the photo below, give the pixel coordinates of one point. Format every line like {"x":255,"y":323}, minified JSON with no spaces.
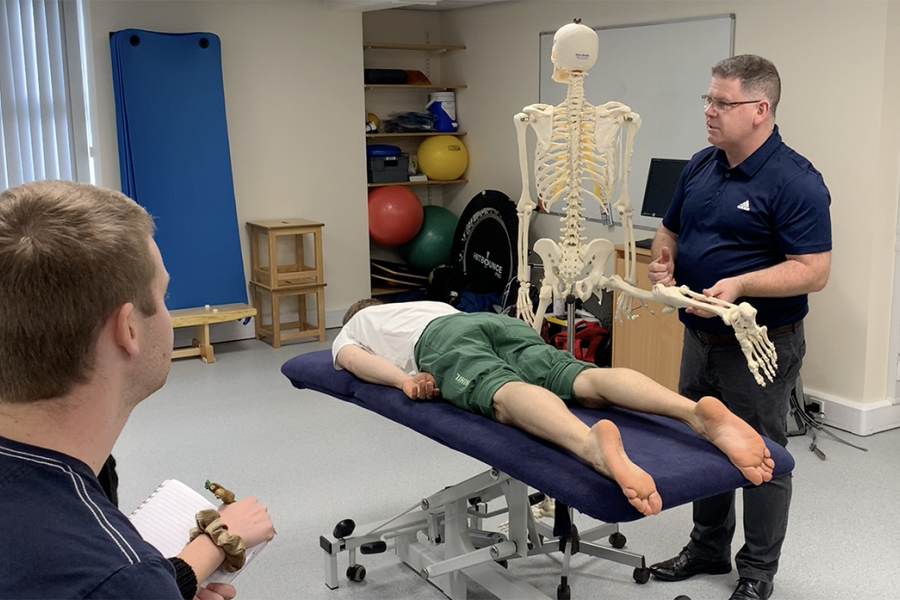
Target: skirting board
{"x":860,"y":418}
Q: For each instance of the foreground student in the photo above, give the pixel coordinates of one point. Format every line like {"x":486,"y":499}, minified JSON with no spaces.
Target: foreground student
{"x":84,"y":337}
{"x":500,"y":367}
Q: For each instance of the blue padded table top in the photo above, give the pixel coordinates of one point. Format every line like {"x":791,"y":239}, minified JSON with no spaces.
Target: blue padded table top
{"x":685,"y":466}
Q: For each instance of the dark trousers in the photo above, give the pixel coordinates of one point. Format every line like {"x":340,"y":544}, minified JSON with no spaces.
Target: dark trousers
{"x":720,"y":370}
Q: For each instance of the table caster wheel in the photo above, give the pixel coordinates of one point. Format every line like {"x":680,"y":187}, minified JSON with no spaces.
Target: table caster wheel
{"x":356,"y":573}
{"x":641,"y":575}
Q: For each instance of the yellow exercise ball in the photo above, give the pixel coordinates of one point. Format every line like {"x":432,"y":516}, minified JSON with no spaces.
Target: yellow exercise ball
{"x":443,"y":157}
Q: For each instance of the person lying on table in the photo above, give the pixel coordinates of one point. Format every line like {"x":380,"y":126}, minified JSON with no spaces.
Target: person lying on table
{"x":499,"y":367}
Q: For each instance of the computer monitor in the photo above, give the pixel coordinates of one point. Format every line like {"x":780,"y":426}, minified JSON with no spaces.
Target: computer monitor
{"x":662,"y":180}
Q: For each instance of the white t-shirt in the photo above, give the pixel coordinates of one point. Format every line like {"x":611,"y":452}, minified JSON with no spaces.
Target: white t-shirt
{"x":390,"y":331}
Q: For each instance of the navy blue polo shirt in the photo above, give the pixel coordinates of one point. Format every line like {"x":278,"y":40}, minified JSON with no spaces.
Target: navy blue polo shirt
{"x":60,"y":537}
{"x":731,"y":221}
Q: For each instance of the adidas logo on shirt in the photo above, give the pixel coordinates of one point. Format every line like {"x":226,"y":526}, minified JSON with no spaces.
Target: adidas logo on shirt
{"x":745,"y":205}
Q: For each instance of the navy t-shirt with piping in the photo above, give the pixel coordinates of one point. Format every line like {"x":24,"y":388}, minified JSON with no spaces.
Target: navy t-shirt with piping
{"x":60,"y":537}
{"x":731,"y":221}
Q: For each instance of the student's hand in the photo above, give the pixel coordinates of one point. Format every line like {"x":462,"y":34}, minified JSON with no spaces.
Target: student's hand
{"x":727,"y":290}
{"x":420,"y":386}
{"x":216,"y":591}
{"x":248,"y":519}
{"x":662,"y":270}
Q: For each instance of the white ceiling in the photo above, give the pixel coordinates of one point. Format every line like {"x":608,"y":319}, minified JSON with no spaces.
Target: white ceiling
{"x":369,"y":5}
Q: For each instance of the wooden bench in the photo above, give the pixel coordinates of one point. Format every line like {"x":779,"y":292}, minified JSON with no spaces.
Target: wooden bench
{"x":200,"y":318}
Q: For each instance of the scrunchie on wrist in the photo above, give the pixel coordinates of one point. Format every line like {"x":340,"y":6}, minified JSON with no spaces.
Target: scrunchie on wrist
{"x":210,"y":522}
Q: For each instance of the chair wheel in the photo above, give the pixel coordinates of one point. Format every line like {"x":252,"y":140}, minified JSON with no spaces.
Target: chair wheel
{"x":683,"y":598}
{"x":641,"y":575}
{"x":343,"y":528}
{"x":617,"y":540}
{"x":356,"y":573}
{"x":563,"y":592}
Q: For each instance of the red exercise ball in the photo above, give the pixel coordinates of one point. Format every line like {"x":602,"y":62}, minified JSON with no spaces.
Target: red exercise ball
{"x":395,"y":215}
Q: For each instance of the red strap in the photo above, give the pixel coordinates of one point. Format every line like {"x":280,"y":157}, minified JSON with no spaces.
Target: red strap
{"x":588,"y":335}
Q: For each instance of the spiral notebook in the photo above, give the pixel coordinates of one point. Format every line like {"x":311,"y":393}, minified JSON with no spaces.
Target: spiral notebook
{"x":165,"y":520}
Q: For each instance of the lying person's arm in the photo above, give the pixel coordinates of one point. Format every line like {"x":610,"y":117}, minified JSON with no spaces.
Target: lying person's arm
{"x":376,"y":369}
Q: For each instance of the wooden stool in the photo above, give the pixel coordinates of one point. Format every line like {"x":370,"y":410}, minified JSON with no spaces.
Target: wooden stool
{"x":277,"y":276}
{"x":200,"y":318}
{"x":299,"y":276}
{"x":274,"y":330}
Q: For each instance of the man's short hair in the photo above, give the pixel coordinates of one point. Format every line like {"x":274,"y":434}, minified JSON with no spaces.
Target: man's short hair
{"x":758,"y":77}
{"x":358,"y":306}
{"x":70,"y":255}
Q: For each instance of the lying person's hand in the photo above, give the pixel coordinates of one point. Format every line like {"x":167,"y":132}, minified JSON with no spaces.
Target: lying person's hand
{"x":216,"y":591}
{"x":421,"y":386}
{"x":248,"y":519}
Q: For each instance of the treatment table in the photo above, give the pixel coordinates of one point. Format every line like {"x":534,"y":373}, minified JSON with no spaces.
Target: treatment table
{"x":441,"y":537}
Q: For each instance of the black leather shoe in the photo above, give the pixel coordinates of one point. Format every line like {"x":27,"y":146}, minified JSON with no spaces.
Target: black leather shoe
{"x":687,"y":565}
{"x":752,"y":589}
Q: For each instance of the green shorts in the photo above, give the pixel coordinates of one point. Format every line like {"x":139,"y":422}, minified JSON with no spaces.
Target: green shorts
{"x":471,"y":355}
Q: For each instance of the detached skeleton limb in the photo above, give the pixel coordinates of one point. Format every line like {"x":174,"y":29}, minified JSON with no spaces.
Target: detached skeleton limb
{"x":585,"y":151}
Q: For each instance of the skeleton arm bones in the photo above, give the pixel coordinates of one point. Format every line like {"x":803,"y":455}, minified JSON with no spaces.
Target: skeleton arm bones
{"x":755,"y":344}
{"x":524,"y":209}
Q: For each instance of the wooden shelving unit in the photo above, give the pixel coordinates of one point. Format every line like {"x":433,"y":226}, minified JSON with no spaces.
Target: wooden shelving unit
{"x":415,"y":47}
{"x":417,"y":134}
{"x":379,"y":286}
{"x":429,"y":182}
{"x":412,"y":86}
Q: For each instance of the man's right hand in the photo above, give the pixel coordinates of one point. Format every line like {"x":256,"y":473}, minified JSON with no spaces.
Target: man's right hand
{"x":248,"y":519}
{"x":420,"y":386}
{"x":662,"y":270}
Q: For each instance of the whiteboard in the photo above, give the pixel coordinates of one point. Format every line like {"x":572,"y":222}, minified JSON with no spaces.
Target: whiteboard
{"x":659,"y":70}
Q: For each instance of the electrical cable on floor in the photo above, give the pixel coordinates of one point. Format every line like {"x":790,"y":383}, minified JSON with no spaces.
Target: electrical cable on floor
{"x":813,"y":426}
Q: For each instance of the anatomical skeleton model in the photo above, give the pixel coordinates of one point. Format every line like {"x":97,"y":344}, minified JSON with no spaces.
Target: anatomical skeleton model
{"x":578,"y":143}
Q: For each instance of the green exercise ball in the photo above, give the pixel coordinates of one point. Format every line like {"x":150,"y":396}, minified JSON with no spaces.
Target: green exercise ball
{"x":431,"y":246}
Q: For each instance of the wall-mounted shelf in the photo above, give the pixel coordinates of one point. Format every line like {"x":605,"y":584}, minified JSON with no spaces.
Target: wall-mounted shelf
{"x":416,"y":47}
{"x":412,"y":86}
{"x":417,"y":134}
{"x":429,"y":182}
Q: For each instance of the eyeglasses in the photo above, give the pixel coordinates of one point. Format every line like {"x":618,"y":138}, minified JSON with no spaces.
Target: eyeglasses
{"x":722,"y":105}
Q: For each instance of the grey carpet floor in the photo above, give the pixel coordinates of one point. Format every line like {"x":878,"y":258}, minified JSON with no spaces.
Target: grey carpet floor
{"x":314,"y":460}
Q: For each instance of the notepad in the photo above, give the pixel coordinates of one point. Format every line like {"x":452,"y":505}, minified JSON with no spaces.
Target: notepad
{"x":165,"y":520}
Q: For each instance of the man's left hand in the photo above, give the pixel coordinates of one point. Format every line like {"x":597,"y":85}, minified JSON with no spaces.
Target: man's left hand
{"x":727,"y":290}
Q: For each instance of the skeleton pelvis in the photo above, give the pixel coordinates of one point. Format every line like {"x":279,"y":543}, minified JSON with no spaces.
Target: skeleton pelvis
{"x":596,"y":254}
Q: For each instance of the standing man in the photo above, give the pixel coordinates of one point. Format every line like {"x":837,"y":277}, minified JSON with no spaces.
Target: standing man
{"x":749,"y":222}
{"x":84,"y":338}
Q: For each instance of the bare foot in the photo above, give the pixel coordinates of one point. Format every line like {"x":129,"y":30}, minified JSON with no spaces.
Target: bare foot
{"x":604,"y":451}
{"x":735,"y":438}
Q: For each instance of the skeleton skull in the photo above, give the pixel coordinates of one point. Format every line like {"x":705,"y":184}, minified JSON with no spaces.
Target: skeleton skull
{"x":575,"y":48}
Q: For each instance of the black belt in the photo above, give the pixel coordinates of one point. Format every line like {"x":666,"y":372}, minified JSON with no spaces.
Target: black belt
{"x":728,"y":338}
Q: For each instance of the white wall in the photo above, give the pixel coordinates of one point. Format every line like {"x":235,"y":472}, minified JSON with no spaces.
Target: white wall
{"x":840,"y":93}
{"x":294,"y":103}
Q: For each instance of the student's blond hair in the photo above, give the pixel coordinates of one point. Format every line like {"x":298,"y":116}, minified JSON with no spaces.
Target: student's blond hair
{"x":70,"y":255}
